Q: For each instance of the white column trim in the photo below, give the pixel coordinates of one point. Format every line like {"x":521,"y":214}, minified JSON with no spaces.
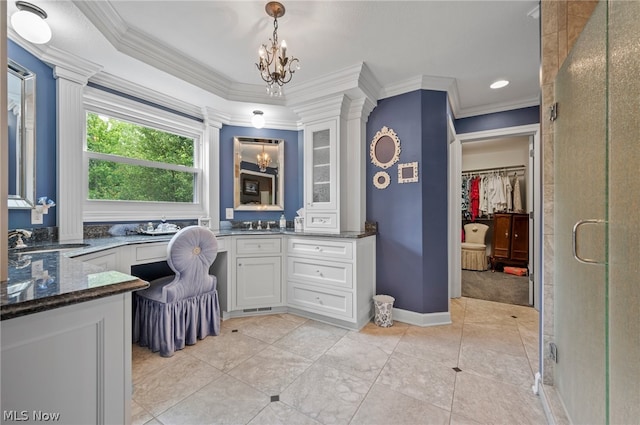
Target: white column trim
{"x":70,"y":133}
{"x":211,"y":154}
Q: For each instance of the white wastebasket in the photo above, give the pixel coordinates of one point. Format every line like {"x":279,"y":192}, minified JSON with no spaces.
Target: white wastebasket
{"x":383,"y":307}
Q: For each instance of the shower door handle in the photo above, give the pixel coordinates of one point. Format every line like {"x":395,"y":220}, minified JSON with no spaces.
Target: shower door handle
{"x":574,"y":240}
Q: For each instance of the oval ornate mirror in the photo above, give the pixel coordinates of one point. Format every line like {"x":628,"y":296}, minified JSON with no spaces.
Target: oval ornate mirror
{"x":385,"y":148}
{"x":258,"y":174}
{"x":21,"y":92}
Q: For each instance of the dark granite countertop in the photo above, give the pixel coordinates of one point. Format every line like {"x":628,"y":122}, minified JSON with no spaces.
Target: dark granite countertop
{"x":40,"y":281}
{"x":44,"y":281}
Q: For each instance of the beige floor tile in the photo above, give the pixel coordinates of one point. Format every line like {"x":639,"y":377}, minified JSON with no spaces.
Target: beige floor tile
{"x":162,"y":389}
{"x":144,"y":361}
{"x":384,"y":406}
{"x":293,"y":318}
{"x":271,"y":370}
{"x":237,"y":323}
{"x":326,"y":394}
{"x":308,"y":340}
{"x":495,"y":337}
{"x":489,"y":312}
{"x":223,"y":401}
{"x":497,"y":365}
{"x":139,"y":416}
{"x":356,"y":358}
{"x":494,"y":402}
{"x":335,"y":330}
{"x":268,"y":328}
{"x":226,"y":350}
{"x":384,"y":338}
{"x":280,"y":414}
{"x":154,"y":421}
{"x":432,"y":382}
{"x":434,"y":343}
{"x":461,"y":420}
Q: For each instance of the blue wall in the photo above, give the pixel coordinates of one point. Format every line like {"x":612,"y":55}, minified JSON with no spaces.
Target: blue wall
{"x":412,"y":217}
{"x":292,"y":171}
{"x":46,"y":167}
{"x":513,"y":118}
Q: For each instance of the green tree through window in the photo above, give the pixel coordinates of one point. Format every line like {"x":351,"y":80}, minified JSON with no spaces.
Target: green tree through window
{"x":130,"y":162}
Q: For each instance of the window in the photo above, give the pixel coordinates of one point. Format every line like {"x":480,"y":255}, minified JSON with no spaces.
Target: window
{"x":140,"y":161}
{"x":130,"y":162}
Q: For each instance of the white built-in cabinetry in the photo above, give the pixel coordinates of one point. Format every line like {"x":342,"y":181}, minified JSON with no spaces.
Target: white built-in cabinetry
{"x":332,"y":278}
{"x":72,"y":362}
{"x":321,"y":177}
{"x":258,"y":272}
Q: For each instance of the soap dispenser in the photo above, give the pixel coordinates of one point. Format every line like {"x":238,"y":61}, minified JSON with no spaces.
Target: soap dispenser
{"x":283,"y":222}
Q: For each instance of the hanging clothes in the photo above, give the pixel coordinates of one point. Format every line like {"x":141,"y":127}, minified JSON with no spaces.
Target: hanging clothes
{"x":517,"y":199}
{"x":507,"y":192}
{"x":474,"y":198}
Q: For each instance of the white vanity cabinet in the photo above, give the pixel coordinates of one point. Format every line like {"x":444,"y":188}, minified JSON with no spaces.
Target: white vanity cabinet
{"x":321,"y":177}
{"x":332,"y":278}
{"x":257,"y":272}
{"x":107,"y":259}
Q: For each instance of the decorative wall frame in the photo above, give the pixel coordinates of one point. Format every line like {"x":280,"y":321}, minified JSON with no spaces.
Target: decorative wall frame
{"x":381,"y":179}
{"x":408,"y":173}
{"x":385,"y":148}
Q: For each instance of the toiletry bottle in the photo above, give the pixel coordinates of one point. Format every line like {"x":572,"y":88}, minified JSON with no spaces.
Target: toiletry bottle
{"x":283,"y":222}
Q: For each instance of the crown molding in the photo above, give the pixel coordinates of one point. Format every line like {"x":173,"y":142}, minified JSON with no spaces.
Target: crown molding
{"x":492,"y":108}
{"x":345,"y":80}
{"x":321,"y":108}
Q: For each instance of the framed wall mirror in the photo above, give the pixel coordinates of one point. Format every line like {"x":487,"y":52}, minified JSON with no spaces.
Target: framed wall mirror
{"x":258,"y":174}
{"x":21,"y":101}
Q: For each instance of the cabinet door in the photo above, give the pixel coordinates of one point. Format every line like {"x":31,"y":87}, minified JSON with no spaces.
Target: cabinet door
{"x":501,"y":243}
{"x":258,"y":282}
{"x":520,"y":237}
{"x":321,"y":166}
{"x":108,"y":259}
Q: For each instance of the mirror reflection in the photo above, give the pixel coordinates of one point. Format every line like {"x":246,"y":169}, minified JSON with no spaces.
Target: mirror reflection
{"x":258,"y":174}
{"x":21,"y":92}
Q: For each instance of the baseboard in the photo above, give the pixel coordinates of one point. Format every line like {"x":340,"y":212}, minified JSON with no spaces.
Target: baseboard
{"x":553,"y":406}
{"x":421,"y":319}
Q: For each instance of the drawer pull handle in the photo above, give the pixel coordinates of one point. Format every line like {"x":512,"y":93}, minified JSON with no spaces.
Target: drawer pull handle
{"x":318,"y":248}
{"x":319,"y":300}
{"x":515,"y":236}
{"x":506,"y":234}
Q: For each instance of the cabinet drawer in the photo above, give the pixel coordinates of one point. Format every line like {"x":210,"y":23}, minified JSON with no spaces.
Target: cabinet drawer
{"x":317,"y":220}
{"x":320,"y":248}
{"x":222,"y":244}
{"x":258,"y":246}
{"x":146,"y":252}
{"x":326,"y":301}
{"x":321,"y":272}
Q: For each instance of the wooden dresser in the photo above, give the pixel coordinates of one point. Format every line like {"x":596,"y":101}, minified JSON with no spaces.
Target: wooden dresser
{"x":510,"y":244}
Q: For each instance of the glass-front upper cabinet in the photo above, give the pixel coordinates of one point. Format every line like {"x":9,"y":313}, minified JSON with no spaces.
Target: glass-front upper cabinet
{"x":320,"y":166}
{"x":321,"y":197}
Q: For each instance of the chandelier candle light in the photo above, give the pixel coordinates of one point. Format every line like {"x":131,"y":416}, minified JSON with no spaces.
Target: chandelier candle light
{"x":276,"y":69}
{"x":263,"y":160}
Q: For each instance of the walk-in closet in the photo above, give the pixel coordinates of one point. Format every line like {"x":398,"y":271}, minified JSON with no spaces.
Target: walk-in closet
{"x":495,"y":220}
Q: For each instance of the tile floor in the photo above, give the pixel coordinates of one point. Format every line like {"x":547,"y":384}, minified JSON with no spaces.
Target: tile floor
{"x":285,"y":369}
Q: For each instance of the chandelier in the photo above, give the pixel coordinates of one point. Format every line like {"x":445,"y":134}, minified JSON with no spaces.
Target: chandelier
{"x":263,"y":160}
{"x":276,"y":69}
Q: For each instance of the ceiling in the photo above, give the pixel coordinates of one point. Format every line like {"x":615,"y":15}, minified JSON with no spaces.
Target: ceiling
{"x":204,"y":52}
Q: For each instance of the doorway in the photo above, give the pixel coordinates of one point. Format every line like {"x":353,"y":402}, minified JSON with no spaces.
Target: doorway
{"x":495,"y":223}
{"x":530,"y":133}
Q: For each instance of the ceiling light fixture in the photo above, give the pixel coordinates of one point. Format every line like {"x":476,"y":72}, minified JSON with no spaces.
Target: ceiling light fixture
{"x":263,"y":160}
{"x":29,"y":22}
{"x":257,"y":119}
{"x":499,"y":84}
{"x":276,"y":69}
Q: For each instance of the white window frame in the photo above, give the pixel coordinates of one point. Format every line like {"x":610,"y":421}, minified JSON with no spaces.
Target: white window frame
{"x":119,"y":107}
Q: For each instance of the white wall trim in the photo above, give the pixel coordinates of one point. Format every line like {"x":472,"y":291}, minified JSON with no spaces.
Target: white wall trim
{"x":421,"y":319}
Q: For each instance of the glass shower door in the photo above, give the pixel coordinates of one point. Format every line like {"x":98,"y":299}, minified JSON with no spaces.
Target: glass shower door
{"x":597,"y":231}
{"x":624,"y":205}
{"x":580,"y":194}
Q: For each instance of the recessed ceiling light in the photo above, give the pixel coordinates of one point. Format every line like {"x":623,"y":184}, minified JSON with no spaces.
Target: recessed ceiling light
{"x":29,"y":22}
{"x":499,"y":84}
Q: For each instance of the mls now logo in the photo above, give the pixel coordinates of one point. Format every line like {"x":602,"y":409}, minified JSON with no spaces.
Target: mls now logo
{"x":24,"y":415}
